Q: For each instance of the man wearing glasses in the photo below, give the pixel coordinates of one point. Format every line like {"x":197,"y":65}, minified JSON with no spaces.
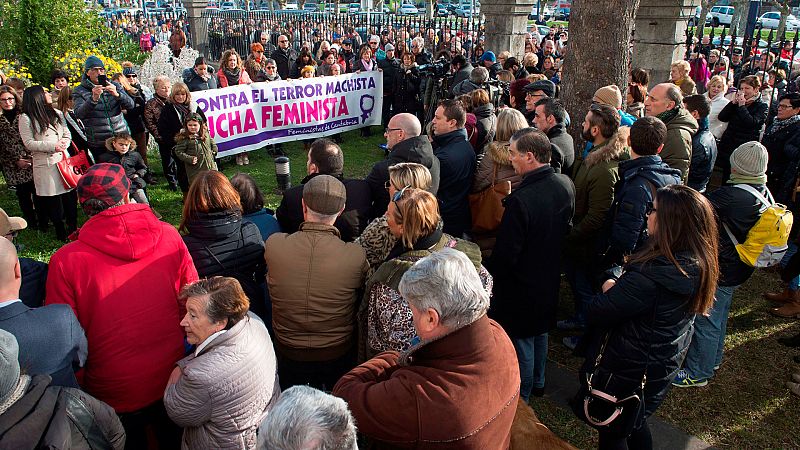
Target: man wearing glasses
{"x":284,"y":57}
{"x":347,"y":54}
{"x":99,"y":103}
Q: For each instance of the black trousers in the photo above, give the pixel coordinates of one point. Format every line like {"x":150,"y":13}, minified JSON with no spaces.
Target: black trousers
{"x":62,"y":208}
{"x":640,"y":439}
{"x":168,"y":164}
{"x":34,"y":210}
{"x":150,"y":424}
{"x":322,"y":375}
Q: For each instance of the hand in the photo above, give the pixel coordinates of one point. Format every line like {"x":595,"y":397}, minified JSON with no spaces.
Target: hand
{"x":194,"y":160}
{"x":608,"y":285}
{"x":97,"y":91}
{"x":24,"y":163}
{"x":111,"y":89}
{"x":174,"y":376}
{"x":62,"y":144}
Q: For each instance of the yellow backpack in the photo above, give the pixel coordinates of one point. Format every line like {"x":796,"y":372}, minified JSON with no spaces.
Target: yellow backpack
{"x":766,"y":241}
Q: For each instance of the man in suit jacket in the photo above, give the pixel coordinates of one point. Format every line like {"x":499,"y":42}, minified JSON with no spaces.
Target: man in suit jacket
{"x":51,"y":340}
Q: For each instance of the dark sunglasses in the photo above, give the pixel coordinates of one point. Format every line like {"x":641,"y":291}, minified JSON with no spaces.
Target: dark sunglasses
{"x":133,"y":75}
{"x":397,"y":197}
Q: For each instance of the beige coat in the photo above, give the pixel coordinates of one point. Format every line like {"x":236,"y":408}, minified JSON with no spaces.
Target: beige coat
{"x":226,"y":390}
{"x":42,"y":146}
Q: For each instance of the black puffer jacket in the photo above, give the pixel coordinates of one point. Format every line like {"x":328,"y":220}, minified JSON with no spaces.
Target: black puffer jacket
{"x":196,"y":83}
{"x":103,"y":118}
{"x":486,"y":126}
{"x":649,"y":326}
{"x":223,"y":244}
{"x":563,"y":154}
{"x":784,"y":160}
{"x":739,"y":210}
{"x":350,"y":223}
{"x":414,"y":150}
{"x":135,"y":116}
{"x":390,"y":67}
{"x":744,"y":125}
{"x":132,"y":162}
{"x":406,"y":91}
{"x":704,"y":154}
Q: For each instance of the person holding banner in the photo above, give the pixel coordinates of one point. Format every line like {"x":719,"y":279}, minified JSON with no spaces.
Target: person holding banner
{"x":232,"y":73}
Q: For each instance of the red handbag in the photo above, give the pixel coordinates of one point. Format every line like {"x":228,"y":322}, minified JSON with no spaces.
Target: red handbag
{"x":72,"y":168}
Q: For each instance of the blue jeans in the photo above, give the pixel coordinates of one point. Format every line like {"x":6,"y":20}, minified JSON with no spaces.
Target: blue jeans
{"x":532,"y":357}
{"x":581,"y":283}
{"x":708,"y":340}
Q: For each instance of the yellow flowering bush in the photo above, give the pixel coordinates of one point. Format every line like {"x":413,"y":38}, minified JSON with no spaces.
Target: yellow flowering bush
{"x":72,"y":64}
{"x":13,"y":69}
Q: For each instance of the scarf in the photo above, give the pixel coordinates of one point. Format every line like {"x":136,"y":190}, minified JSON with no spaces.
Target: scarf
{"x":11,"y":114}
{"x":232,"y":77}
{"x":16,"y":393}
{"x":423,"y":243}
{"x":182,"y":109}
{"x":737,"y":178}
{"x":667,"y":116}
{"x":777,"y":126}
{"x":367,"y":67}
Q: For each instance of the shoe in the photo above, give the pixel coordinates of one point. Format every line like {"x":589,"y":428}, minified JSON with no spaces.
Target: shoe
{"x":797,"y":359}
{"x":571,"y":342}
{"x":537,"y":392}
{"x":793,"y":341}
{"x":571,"y":324}
{"x":789,"y":310}
{"x":796,"y":377}
{"x":173,"y":187}
{"x":246,"y":159}
{"x":683,"y":380}
{"x":794,"y":388}
{"x":779,"y":297}
{"x":716,"y":368}
{"x":239,"y":160}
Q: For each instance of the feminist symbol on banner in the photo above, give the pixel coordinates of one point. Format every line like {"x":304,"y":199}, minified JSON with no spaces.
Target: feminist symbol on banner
{"x":367,"y":104}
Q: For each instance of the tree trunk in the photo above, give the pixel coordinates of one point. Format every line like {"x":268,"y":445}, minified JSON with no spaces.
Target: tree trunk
{"x":596,"y":60}
{"x":705,"y":7}
{"x":785,"y":11}
{"x":739,"y":20}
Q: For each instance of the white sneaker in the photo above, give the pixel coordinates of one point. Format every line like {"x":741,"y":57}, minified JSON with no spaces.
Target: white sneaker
{"x":246,"y":159}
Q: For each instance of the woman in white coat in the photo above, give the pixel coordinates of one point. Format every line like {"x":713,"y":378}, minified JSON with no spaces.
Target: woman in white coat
{"x":45,"y":134}
{"x":717,"y":87}
{"x":222,"y":391}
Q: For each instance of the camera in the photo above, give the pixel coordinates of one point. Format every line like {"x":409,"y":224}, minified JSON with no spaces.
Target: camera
{"x":436,"y":69}
{"x":102,"y":80}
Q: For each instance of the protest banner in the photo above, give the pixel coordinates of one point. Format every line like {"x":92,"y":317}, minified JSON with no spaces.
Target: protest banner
{"x":247,"y":117}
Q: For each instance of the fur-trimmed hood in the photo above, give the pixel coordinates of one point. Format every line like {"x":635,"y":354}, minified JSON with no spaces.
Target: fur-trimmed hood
{"x":615,"y":148}
{"x":500,"y":152}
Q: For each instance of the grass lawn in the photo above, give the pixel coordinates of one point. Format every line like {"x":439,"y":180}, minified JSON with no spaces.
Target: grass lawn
{"x":764,"y":32}
{"x":746,"y":405}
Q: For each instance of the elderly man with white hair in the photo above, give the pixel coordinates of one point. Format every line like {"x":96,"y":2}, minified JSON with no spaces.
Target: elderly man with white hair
{"x":305,"y":418}
{"x":462,"y":366}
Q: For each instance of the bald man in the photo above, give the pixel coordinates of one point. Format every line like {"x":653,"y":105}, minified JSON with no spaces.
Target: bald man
{"x":405,"y":144}
{"x":665,"y":101}
{"x":51,"y":341}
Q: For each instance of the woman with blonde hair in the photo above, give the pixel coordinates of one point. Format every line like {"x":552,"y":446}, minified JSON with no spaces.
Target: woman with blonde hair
{"x":170,"y":123}
{"x":495,"y":167}
{"x":717,"y":87}
{"x":679,"y":76}
{"x":384,"y":317}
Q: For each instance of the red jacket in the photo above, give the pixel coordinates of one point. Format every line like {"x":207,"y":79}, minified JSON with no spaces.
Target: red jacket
{"x":121,"y":278}
{"x":458,"y":392}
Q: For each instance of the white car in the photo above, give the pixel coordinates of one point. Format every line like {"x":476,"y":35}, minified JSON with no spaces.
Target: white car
{"x":407,"y":9}
{"x":292,"y":6}
{"x":772,"y":19}
{"x":720,"y":15}
{"x":227,"y":6}
{"x":354,"y":8}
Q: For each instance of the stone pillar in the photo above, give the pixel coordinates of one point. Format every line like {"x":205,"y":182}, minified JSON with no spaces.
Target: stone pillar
{"x":506,"y":25}
{"x":660,"y":35}
{"x":197,"y":24}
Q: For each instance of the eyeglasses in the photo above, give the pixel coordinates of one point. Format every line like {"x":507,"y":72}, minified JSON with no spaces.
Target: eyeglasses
{"x":282,"y":41}
{"x":11,"y":100}
{"x":532,"y":95}
{"x":780,"y":106}
{"x":133,"y":75}
{"x":397,"y":197}
{"x":388,"y":130}
{"x":650,"y":208}
{"x":387,"y":184}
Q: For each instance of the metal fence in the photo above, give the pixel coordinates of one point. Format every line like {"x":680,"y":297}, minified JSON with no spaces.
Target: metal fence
{"x":747,"y":55}
{"x":238,"y":29}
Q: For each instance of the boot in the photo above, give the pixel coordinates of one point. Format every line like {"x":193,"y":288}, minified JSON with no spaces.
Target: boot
{"x":793,"y":341}
{"x":779,"y":297}
{"x":789,"y":310}
{"x":794,"y":388}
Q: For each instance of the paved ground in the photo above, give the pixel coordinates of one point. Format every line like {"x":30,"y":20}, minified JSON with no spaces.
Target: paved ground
{"x":562,"y":385}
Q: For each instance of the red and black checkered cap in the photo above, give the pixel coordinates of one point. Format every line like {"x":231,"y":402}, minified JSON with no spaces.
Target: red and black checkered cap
{"x":105,"y":182}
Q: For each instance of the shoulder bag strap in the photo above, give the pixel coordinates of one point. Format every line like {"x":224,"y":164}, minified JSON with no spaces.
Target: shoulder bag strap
{"x":766,"y":201}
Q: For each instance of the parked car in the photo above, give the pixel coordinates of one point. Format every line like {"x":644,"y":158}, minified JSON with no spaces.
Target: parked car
{"x":547,"y":12}
{"x":353,"y":8}
{"x":310,"y":7}
{"x":467,"y":10}
{"x":407,"y":9}
{"x":739,"y":41}
{"x":562,"y":14}
{"x":291,"y":6}
{"x":773,"y":18}
{"x":227,"y":6}
{"x":441,"y":11}
{"x":720,"y":15}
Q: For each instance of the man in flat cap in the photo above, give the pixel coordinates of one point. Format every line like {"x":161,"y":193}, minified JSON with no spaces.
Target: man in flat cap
{"x":314,"y":278}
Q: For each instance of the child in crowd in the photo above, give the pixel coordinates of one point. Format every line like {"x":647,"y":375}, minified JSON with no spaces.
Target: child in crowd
{"x":120,"y":152}
{"x":195,"y":147}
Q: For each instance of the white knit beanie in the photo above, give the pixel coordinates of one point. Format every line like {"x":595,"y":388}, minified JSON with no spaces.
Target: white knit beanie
{"x":750,"y":159}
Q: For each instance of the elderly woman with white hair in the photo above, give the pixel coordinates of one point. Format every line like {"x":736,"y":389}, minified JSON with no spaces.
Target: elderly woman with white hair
{"x":309,"y":419}
{"x":224,"y":389}
{"x":462,"y":367}
{"x":679,"y":76}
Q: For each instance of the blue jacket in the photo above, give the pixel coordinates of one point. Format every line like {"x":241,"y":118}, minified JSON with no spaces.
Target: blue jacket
{"x":47,"y":353}
{"x":626,"y":224}
{"x":456,"y":169}
{"x":704,"y":154}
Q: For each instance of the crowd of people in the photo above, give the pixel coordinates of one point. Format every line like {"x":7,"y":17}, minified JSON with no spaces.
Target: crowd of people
{"x":426,"y":290}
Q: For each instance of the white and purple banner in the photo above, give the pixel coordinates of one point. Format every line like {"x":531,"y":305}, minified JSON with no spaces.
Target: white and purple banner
{"x":247,"y":117}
